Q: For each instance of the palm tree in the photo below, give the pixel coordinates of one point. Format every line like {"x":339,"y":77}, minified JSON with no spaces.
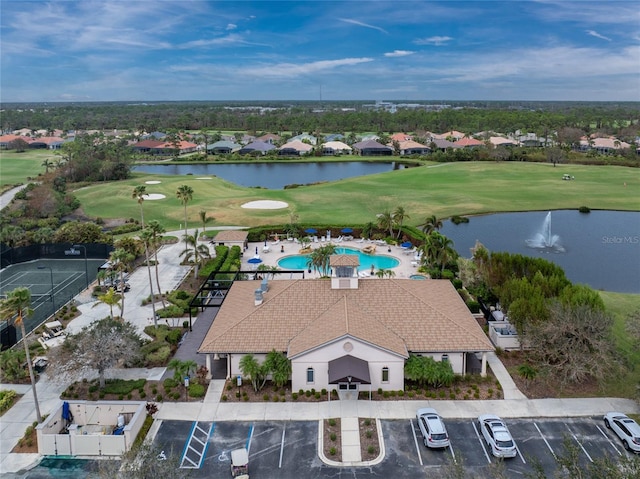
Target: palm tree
{"x":431,"y":223}
{"x":18,"y":303}
{"x":47,"y":164}
{"x":185,"y":194}
{"x":320,"y":259}
{"x":385,"y":221}
{"x":120,"y":259}
{"x":110,"y":298}
{"x":157,"y":230}
{"x":138,"y":194}
{"x":205,"y":219}
{"x":146,"y":236}
{"x":199,"y":251}
{"x":399,"y":215}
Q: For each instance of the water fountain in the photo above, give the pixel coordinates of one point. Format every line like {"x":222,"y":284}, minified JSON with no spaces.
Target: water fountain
{"x":544,"y":239}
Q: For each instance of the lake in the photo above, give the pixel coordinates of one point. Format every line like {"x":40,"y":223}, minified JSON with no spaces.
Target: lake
{"x":601,"y":248}
{"x":275,"y":175}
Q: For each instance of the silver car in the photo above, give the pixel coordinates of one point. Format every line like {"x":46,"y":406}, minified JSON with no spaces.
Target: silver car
{"x":497,"y":436}
{"x":434,"y":433}
{"x":625,"y":428}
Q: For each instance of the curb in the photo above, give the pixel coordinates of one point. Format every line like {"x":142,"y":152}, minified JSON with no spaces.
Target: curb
{"x":330,"y":462}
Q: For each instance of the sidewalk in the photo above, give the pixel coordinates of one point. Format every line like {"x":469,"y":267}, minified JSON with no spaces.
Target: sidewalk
{"x":14,"y":423}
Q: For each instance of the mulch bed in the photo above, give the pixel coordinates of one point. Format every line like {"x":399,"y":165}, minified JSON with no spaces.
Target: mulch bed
{"x":543,"y":387}
{"x":332,"y":441}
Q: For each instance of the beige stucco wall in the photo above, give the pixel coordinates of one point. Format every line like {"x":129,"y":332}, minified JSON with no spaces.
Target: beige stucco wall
{"x":456,"y":360}
{"x":318,"y":359}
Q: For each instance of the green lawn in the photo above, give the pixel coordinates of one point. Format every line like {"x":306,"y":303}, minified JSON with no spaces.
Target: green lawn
{"x":442,"y":189}
{"x":621,"y":305}
{"x":16,"y":168}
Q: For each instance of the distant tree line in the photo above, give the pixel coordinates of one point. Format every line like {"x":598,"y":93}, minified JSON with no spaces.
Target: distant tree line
{"x":318,"y":118}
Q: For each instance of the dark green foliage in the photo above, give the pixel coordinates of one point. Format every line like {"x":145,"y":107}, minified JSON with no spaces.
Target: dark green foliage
{"x":584,"y":209}
{"x":456,"y":220}
{"x":196,"y":390}
{"x":122,"y":386}
{"x":428,"y":372}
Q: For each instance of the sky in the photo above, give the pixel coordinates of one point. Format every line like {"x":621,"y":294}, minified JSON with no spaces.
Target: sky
{"x":164,"y":50}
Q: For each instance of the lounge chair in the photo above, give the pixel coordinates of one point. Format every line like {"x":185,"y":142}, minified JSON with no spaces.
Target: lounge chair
{"x":339,"y":239}
{"x":361,"y":240}
{"x":322,"y":239}
{"x":276,"y":242}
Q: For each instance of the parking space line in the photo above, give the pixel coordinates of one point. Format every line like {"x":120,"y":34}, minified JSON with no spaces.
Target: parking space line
{"x":519,"y":453}
{"x":610,"y":442}
{"x":453,"y":454}
{"x":415,"y":440}
{"x":481,"y":442}
{"x":579,"y":443}
{"x":284,"y":428}
{"x":248,"y":443}
{"x":545,"y":441}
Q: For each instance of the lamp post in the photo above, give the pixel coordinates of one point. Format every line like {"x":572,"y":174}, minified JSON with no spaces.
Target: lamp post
{"x":53,"y":301}
{"x":86,"y":270}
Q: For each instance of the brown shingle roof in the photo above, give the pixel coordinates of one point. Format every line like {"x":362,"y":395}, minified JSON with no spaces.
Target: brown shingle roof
{"x":398,"y":315}
{"x":344,"y":260}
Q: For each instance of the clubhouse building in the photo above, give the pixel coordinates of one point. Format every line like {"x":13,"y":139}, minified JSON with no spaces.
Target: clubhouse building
{"x":345,"y":332}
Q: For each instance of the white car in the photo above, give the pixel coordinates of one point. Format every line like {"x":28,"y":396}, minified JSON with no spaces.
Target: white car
{"x":625,"y":428}
{"x":434,"y":433}
{"x":497,"y":436}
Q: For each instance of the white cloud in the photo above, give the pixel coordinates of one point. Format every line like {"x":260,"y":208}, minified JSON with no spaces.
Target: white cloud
{"x":436,"y":41}
{"x":399,"y":53}
{"x":232,"y":26}
{"x":362,"y":24}
{"x":593,"y":33}
{"x":285,"y":70}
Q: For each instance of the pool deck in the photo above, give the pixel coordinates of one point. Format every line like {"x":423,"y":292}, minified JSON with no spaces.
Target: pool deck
{"x":404,"y":270}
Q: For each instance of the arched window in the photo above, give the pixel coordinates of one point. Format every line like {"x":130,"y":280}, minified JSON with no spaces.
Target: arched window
{"x":385,"y":374}
{"x":309,"y":375}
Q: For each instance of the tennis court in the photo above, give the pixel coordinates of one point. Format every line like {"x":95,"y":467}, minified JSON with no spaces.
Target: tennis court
{"x":52,"y":283}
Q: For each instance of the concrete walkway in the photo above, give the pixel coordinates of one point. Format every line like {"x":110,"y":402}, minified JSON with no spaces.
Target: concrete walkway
{"x":514,"y":405}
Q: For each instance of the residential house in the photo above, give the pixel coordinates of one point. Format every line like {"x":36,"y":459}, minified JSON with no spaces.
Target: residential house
{"x":467,"y":142}
{"x":401,"y":137}
{"x":223,"y":147}
{"x":304,"y":137}
{"x":346,"y":333}
{"x":270,"y":138}
{"x":502,"y":141}
{"x":603,"y":145}
{"x":442,"y":145}
{"x":410,"y":147}
{"x":372,"y":148}
{"x":452,"y":135}
{"x":335,"y":147}
{"x":295,"y":148}
{"x":256,"y":148}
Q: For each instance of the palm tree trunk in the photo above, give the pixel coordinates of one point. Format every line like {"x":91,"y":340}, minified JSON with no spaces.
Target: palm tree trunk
{"x":153,"y":299}
{"x":155,"y":258}
{"x":31,"y":374}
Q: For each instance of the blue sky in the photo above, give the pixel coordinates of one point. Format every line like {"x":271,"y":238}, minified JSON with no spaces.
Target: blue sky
{"x":305,"y":50}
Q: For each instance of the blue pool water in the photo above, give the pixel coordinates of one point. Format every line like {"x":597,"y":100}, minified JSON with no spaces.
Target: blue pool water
{"x":417,"y":276}
{"x":299,"y":261}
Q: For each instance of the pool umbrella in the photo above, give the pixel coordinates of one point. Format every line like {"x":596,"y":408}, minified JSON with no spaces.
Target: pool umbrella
{"x":255,"y":260}
{"x":66,"y":412}
{"x":407,"y":244}
{"x":346,"y":230}
{"x":311,"y":231}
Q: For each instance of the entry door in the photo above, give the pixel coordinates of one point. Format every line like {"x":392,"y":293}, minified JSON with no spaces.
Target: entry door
{"x":348,"y":390}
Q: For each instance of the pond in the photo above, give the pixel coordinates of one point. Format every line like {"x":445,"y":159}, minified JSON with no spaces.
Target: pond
{"x":275,"y":175}
{"x":601,"y":248}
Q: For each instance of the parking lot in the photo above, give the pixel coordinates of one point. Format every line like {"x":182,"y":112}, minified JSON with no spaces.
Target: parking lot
{"x":282,"y":449}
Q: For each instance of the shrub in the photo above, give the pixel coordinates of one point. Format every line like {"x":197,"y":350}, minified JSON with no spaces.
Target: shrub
{"x":324,"y":392}
{"x":174,"y":336}
{"x":176,"y":395}
{"x":276,"y":398}
{"x":371,"y":450}
{"x":317,"y":395}
{"x":154,"y":390}
{"x":452,"y":395}
{"x":196,"y":390}
{"x":6,"y":399}
{"x":332,"y":422}
{"x":473,"y":306}
{"x":224,"y":398}
{"x":159,"y":398}
{"x":584,"y":209}
{"x":380,"y":391}
{"x":238,"y":394}
{"x":333,"y":451}
{"x":456,"y":220}
{"x":307,"y":393}
{"x":385,"y":394}
{"x":369,"y":434}
{"x":333,"y":436}
{"x":367,"y":422}
{"x":169,"y":383}
{"x":143,"y":395}
{"x":294,"y":396}
{"x":266,"y":397}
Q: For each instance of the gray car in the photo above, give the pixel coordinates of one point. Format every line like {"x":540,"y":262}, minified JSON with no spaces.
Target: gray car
{"x":497,"y":436}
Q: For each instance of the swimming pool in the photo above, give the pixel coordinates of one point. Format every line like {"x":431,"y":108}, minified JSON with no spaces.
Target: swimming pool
{"x":299,"y":261}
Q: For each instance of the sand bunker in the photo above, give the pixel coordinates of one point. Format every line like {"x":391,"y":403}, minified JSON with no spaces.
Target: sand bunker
{"x":152,"y":182}
{"x":265,"y":205}
{"x":154,"y":196}
{"x":204,"y":178}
